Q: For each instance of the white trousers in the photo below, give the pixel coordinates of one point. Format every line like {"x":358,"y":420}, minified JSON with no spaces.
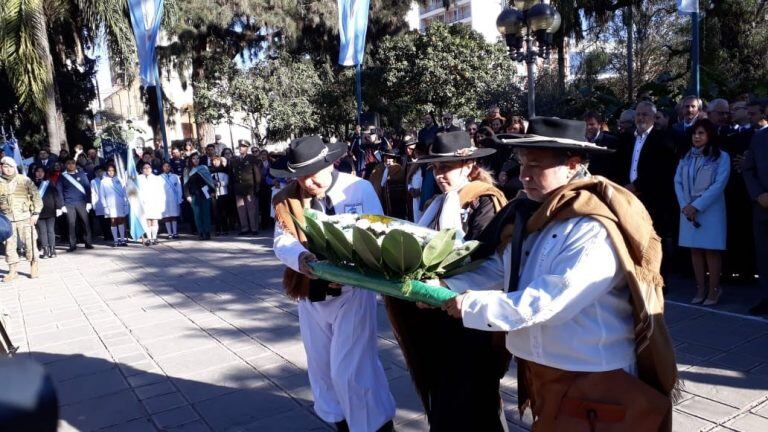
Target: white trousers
{"x":346,"y":376}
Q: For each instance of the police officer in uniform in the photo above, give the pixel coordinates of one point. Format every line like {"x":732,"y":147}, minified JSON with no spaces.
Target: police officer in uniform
{"x":20,"y":202}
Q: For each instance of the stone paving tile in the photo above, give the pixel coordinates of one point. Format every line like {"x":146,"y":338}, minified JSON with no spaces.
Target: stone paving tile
{"x":175,"y":417}
{"x":244,"y":407}
{"x":90,"y":386}
{"x":229,"y":340}
{"x":684,"y":422}
{"x":748,"y":422}
{"x":105,"y":411}
{"x":707,"y":409}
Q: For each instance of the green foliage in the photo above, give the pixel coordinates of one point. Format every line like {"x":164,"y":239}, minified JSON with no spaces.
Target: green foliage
{"x":338,"y":243}
{"x":118,"y":131}
{"x":438,"y":248}
{"x":401,"y":252}
{"x":447,"y":68}
{"x":367,"y":248}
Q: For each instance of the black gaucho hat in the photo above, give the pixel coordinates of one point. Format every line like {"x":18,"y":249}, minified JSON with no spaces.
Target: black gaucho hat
{"x":553,"y":133}
{"x":453,"y":146}
{"x":308,"y":155}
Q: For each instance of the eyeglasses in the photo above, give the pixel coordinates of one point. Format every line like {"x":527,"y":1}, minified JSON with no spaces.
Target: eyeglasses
{"x":447,"y":119}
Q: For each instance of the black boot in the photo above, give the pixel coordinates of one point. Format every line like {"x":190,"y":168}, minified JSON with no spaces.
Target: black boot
{"x":342,"y":426}
{"x":52,"y":252}
{"x":760,"y":308}
{"x":44,"y":252}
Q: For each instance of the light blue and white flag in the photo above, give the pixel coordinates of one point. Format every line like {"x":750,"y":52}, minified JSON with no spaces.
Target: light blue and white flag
{"x":136,"y":214}
{"x":685,"y":7}
{"x":145,"y":20}
{"x":353,"y":24}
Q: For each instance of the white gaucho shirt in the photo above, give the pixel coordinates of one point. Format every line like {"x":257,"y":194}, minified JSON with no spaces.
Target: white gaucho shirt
{"x":571,"y":310}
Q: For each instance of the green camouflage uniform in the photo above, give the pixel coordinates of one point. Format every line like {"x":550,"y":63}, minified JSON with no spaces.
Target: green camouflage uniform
{"x":19,"y":200}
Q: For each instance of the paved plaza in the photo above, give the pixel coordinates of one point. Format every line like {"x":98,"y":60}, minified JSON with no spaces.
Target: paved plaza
{"x":197,"y":336}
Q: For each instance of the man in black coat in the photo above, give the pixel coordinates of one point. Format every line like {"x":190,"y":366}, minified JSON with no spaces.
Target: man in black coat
{"x":427,"y":134}
{"x":246,"y":182}
{"x":690,"y":110}
{"x":755,"y":172}
{"x":601,"y":164}
{"x":648,"y":167}
{"x":447,"y":124}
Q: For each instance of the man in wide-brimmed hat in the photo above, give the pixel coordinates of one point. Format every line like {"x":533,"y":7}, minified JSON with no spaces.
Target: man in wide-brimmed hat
{"x":573,"y":276}
{"x":338,"y":323}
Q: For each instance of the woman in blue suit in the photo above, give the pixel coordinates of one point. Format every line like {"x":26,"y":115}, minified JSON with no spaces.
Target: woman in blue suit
{"x":699,"y":184}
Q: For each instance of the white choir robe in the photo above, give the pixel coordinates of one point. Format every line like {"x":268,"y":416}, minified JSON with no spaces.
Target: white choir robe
{"x":339,"y":334}
{"x":113,"y":197}
{"x":152,"y":196}
{"x":173,"y":195}
{"x":571,"y":310}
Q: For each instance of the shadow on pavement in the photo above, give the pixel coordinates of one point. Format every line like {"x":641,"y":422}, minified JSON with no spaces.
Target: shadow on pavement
{"x":98,"y":394}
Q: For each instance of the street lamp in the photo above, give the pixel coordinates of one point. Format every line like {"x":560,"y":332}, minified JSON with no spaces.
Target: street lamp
{"x":535,"y":23}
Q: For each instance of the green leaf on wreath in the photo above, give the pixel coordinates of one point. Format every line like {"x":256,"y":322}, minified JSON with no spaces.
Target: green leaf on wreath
{"x":367,"y":248}
{"x":338,"y":242}
{"x":401,"y":252}
{"x":458,"y":256}
{"x":438,"y":248}
{"x":316,"y":237}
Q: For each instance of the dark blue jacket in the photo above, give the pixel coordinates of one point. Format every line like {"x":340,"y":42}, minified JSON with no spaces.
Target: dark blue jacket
{"x":70,"y":193}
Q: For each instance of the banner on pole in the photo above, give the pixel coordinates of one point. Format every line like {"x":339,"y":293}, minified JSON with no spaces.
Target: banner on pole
{"x":353,"y":24}
{"x":145,"y":20}
{"x":687,"y":6}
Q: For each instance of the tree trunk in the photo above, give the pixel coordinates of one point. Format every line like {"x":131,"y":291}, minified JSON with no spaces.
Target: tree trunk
{"x":54,"y":119}
{"x":205,"y":131}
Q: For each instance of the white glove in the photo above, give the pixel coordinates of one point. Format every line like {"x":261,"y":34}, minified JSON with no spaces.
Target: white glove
{"x":60,"y":212}
{"x":88,"y":207}
{"x":63,"y":209}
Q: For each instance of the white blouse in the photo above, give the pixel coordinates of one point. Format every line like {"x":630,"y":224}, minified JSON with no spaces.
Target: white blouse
{"x":571,"y":310}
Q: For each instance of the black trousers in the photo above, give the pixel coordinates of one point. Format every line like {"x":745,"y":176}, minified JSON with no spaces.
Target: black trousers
{"x":75,"y":212}
{"x":46,"y":232}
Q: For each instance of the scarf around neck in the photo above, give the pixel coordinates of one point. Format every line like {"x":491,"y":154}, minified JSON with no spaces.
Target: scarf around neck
{"x":445,"y":212}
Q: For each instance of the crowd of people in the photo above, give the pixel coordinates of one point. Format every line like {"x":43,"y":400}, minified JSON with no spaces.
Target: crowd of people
{"x":211,"y":191}
{"x":690,"y":167}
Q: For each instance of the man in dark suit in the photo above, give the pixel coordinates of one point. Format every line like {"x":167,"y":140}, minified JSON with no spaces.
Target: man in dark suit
{"x":690,"y":110}
{"x":447,"y":124}
{"x":43,"y":160}
{"x":427,"y":133}
{"x":755,"y":173}
{"x":601,"y":164}
{"x":207,"y":158}
{"x":740,"y":253}
{"x":648,"y":166}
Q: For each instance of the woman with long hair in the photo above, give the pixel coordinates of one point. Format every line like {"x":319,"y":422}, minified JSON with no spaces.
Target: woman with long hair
{"x":115,"y":201}
{"x":700,"y":181}
{"x":436,"y":346}
{"x":198,"y":189}
{"x":52,"y":204}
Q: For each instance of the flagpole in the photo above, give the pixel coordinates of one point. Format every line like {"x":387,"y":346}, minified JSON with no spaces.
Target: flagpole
{"x":359,"y":90}
{"x":695,"y":84}
{"x":161,"y":116}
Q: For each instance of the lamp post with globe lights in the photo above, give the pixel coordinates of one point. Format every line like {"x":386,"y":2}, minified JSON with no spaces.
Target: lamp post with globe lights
{"x":528,"y":27}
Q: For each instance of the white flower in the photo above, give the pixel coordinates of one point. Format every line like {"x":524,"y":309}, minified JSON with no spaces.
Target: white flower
{"x":379,"y":228}
{"x":363,"y":224}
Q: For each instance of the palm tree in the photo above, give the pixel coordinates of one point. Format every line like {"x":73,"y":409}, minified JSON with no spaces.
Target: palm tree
{"x":25,"y":54}
{"x":26,"y":29}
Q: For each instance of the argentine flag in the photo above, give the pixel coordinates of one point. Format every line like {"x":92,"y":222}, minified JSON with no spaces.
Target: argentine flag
{"x":136,"y":213}
{"x":353,"y":24}
{"x":685,"y":7}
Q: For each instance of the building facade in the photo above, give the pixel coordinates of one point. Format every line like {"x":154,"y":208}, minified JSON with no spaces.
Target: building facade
{"x":478,"y":14}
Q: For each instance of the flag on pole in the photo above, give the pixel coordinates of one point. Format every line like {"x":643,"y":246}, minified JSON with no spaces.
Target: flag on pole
{"x":353,"y":24}
{"x":145,"y":20}
{"x":687,"y":6}
{"x":136,"y":213}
